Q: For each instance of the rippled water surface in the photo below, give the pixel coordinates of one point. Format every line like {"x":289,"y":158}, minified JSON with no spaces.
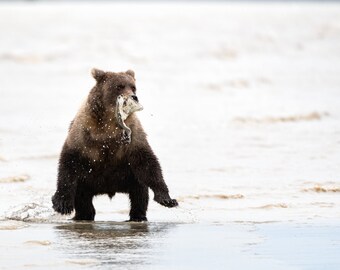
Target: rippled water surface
{"x":241,"y":106}
{"x":107,"y":245}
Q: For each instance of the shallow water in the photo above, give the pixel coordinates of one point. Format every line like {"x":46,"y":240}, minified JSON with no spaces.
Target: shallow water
{"x":107,"y":245}
{"x":241,"y":105}
{"x":246,"y":127}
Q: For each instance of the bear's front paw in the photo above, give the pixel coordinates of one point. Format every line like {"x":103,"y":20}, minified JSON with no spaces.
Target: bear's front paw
{"x":166,"y":201}
{"x":62,"y":205}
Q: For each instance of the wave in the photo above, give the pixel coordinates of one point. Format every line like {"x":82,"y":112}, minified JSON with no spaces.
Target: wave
{"x":270,"y":206}
{"x":211,"y":196}
{"x":321,"y":189}
{"x":324,"y":204}
{"x":37,"y":212}
{"x":83,"y":262}
{"x":313,"y":116}
{"x":29,"y":58}
{"x":12,"y":225}
{"x":15,"y":179}
{"x":38,"y":243}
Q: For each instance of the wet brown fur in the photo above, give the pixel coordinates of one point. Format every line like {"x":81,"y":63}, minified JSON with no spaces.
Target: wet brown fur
{"x":96,"y":158}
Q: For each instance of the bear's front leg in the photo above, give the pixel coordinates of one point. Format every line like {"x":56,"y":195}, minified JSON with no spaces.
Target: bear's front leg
{"x":147,"y":170}
{"x":62,"y":204}
{"x":68,"y":173}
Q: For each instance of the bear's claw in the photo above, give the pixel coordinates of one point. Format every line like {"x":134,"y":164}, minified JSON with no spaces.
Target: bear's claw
{"x":62,"y":206}
{"x":167,"y":202}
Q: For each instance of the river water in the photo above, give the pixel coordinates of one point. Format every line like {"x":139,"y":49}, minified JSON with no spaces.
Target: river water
{"x":241,"y":105}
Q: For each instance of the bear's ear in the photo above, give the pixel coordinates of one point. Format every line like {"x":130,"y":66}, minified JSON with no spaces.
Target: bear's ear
{"x":131,"y":73}
{"x":98,"y":74}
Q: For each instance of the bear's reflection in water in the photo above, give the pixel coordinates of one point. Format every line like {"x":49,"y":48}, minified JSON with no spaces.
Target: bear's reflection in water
{"x":112,"y":243}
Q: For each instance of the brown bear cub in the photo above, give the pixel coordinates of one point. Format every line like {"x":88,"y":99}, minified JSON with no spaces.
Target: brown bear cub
{"x":99,"y":157}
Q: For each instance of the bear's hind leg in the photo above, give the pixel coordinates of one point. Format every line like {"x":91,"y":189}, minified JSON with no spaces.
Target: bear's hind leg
{"x":139,"y":199}
{"x":83,"y":206}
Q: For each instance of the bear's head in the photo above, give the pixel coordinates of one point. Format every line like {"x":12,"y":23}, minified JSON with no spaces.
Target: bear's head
{"x":110,"y":85}
{"x":114,"y":97}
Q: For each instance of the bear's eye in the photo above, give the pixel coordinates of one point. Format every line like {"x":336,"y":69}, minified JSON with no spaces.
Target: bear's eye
{"x":120,"y":86}
{"x":133,"y":88}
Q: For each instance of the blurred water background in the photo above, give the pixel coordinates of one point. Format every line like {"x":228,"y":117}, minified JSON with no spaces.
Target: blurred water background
{"x":241,"y":104}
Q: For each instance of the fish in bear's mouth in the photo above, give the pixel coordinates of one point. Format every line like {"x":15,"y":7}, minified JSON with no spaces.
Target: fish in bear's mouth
{"x":125,"y":106}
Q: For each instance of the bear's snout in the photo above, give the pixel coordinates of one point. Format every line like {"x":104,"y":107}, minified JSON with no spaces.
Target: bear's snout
{"x":135,"y":98}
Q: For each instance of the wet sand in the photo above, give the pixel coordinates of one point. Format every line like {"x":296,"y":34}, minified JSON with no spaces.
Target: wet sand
{"x":120,"y":245}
